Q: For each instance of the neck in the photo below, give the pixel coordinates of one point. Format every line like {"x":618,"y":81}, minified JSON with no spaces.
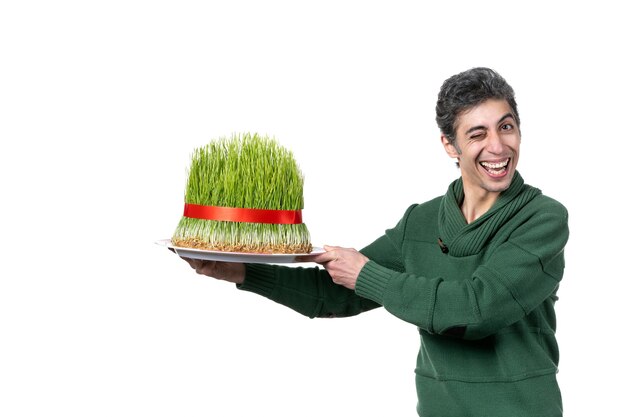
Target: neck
{"x":474,"y":206}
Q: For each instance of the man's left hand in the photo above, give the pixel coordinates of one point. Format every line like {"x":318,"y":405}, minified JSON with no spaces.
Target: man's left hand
{"x":343,"y":264}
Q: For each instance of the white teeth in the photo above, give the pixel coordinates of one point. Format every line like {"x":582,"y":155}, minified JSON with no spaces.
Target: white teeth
{"x":495,"y":165}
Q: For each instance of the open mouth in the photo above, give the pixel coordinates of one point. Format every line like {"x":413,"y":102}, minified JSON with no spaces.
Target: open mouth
{"x":496,"y":169}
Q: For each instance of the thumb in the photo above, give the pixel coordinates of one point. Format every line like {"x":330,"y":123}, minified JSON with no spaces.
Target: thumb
{"x":329,"y":248}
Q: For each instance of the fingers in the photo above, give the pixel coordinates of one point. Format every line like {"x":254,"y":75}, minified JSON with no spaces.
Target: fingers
{"x":332,"y":254}
{"x":192,"y":262}
{"x":325,"y":257}
{"x":342,"y":264}
{"x":338,"y":253}
{"x":202,"y":267}
{"x":207,"y":268}
{"x":232,"y":272}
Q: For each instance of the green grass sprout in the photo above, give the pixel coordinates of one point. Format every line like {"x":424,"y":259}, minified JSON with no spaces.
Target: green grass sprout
{"x":244,"y":171}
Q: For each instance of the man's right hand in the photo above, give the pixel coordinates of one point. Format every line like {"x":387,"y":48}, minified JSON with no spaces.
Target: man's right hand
{"x":227,"y":271}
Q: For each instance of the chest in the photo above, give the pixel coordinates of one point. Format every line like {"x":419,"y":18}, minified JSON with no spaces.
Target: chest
{"x":426,"y":258}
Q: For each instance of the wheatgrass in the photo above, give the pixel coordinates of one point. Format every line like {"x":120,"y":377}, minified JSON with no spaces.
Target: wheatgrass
{"x":244,"y":171}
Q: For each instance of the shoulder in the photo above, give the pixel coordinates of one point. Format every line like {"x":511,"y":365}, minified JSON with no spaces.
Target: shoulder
{"x":418,"y":219}
{"x":541,"y":225}
{"x":419,"y":213}
{"x":428,"y":208}
{"x":544,"y":205}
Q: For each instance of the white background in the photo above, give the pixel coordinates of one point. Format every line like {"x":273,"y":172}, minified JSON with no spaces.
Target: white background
{"x":101,"y":104}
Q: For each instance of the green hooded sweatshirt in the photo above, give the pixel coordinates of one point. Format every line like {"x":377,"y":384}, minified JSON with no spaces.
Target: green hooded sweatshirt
{"x":481,"y":294}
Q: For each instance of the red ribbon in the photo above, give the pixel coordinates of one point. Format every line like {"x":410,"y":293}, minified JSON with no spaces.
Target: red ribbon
{"x":245,"y":215}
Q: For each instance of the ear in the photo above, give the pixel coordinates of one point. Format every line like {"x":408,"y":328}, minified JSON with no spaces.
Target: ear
{"x":450,"y":148}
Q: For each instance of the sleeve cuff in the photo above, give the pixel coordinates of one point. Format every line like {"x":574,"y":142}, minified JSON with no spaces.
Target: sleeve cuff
{"x":260,"y":279}
{"x":372,"y":282}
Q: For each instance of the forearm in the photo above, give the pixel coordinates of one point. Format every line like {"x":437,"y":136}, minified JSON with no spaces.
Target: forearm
{"x":309,"y":291}
{"x":473,"y":308}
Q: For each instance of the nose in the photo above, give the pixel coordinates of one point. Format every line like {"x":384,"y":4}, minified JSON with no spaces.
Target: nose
{"x":495,"y":144}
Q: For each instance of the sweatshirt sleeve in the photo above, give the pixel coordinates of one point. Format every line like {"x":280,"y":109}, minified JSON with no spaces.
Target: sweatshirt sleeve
{"x":309,"y":291}
{"x":312,"y":292}
{"x":521,"y":273}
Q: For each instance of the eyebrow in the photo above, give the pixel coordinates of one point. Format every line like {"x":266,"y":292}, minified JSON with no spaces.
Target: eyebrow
{"x":471,"y":129}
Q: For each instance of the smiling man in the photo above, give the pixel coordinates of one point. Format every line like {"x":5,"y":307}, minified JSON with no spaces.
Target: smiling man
{"x":475,"y":270}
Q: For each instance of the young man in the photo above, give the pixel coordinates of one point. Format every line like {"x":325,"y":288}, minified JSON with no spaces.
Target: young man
{"x":476,"y":270}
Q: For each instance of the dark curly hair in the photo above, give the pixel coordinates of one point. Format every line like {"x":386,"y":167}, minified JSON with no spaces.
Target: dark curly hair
{"x":466,"y":90}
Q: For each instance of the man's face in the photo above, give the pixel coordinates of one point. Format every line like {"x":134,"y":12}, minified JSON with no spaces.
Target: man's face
{"x":487,"y":148}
